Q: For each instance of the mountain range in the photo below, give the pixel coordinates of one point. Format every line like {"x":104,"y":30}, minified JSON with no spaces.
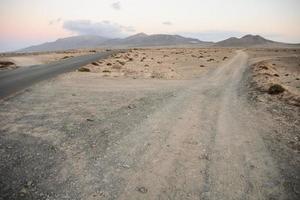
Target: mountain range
{"x":144,"y":40}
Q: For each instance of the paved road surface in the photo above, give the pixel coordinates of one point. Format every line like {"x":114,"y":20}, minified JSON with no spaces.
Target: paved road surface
{"x":16,"y":80}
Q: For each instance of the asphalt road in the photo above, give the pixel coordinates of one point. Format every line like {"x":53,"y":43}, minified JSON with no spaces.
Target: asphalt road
{"x":21,"y":78}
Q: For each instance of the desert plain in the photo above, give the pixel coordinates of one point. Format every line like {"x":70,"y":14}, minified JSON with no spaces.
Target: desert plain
{"x":156,"y":123}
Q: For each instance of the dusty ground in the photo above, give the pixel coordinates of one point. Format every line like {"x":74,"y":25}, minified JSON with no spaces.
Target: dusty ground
{"x":208,"y":136}
{"x":28,"y":59}
{"x":177,"y":63}
{"x":279,"y":67}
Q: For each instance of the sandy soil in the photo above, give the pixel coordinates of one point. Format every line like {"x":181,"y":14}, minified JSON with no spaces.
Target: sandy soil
{"x":172,"y":63}
{"x":29,"y":59}
{"x":202,"y":136}
{"x":279,"y":67}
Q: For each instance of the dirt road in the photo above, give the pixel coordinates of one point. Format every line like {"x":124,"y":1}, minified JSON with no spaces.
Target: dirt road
{"x":139,"y":139}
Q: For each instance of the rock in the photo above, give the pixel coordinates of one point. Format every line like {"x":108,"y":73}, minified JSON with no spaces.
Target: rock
{"x":142,"y":189}
{"x":89,"y":120}
{"x":204,"y":156}
{"x":131,"y":106}
{"x":125,"y":166}
{"x":29,"y":183}
{"x":23,"y":191}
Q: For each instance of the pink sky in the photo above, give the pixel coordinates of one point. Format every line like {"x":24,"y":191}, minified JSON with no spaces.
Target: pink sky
{"x":29,"y":22}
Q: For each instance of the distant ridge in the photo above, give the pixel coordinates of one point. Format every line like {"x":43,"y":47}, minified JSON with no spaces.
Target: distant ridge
{"x":144,"y":40}
{"x":251,"y":41}
{"x":74,"y":42}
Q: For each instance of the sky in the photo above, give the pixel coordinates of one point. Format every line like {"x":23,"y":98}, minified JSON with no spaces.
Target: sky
{"x":30,"y":22}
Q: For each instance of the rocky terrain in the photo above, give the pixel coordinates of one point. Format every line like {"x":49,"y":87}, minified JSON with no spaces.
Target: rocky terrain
{"x":171,"y":63}
{"x":194,"y":123}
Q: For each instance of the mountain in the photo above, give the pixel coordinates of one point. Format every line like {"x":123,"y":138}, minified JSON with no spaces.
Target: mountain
{"x":92,"y":41}
{"x":144,"y":40}
{"x":251,"y":41}
{"x":73,"y":42}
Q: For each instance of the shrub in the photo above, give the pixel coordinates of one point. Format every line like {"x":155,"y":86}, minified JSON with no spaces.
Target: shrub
{"x":6,"y":63}
{"x":84,"y":69}
{"x":95,"y":63}
{"x":276,"y":89}
{"x":121,"y":62}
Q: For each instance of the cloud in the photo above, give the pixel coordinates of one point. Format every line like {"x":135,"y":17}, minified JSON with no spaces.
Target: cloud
{"x":104,"y":28}
{"x":116,"y":5}
{"x":167,"y":23}
{"x":55,"y":21}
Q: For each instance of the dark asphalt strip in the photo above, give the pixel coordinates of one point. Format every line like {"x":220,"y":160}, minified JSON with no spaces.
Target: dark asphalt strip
{"x":21,"y":78}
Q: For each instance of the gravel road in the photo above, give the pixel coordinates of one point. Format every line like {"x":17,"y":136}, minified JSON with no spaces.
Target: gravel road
{"x":139,"y":139}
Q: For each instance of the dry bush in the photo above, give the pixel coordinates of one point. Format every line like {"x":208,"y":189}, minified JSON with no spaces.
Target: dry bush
{"x":106,"y":71}
{"x":121,"y":62}
{"x":276,"y":89}
{"x":84,"y":69}
{"x":6,"y":63}
{"x":95,"y":63}
{"x":116,"y":66}
{"x":67,"y":57}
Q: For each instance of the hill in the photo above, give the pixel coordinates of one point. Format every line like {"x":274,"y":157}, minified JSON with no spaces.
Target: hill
{"x":74,"y":42}
{"x":252,"y":41}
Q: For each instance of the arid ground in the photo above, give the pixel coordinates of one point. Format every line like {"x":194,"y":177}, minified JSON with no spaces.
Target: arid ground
{"x":168,"y":123}
{"x":14,"y":60}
